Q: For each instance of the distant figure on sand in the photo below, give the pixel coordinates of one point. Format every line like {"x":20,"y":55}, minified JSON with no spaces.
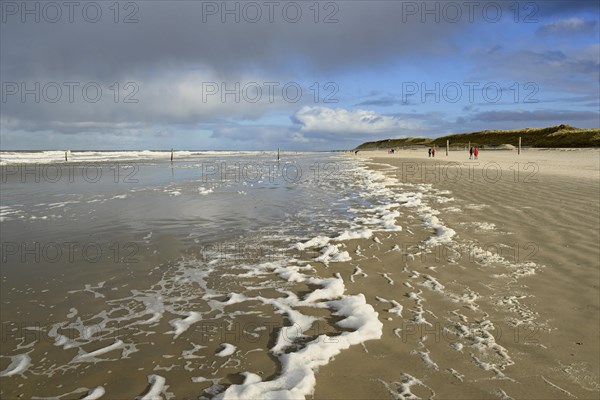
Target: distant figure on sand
{"x":433,"y":153}
{"x":356,"y":152}
{"x":430,"y":152}
{"x":471,"y":153}
{"x":476,"y":152}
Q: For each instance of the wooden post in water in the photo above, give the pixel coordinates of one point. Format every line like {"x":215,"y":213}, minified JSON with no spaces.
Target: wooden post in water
{"x":278,"y":154}
{"x":447,"y":147}
{"x":66,"y":155}
{"x":171,"y":154}
{"x":519,"y":151}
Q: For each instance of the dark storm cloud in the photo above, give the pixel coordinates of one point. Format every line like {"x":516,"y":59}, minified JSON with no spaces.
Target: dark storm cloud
{"x":173,"y":35}
{"x":179,"y":35}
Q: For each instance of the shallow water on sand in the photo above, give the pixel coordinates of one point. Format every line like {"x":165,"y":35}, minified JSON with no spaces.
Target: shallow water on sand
{"x":185,"y":271}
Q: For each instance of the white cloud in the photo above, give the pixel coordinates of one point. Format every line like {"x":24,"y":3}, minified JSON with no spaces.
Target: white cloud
{"x":348,"y":122}
{"x":183,"y":98}
{"x":569,"y":26}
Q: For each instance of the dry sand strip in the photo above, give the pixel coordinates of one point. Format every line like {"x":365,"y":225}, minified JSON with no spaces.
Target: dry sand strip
{"x":509,"y":309}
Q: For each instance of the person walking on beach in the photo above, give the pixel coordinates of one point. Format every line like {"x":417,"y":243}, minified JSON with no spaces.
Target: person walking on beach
{"x":476,"y":152}
{"x":471,"y":153}
{"x":430,"y":152}
{"x":433,"y":153}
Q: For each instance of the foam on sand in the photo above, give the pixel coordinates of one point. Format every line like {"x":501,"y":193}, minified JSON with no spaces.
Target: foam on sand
{"x":118,"y":344}
{"x":227,"y":350}
{"x":397,"y":309}
{"x":95,"y":393}
{"x":204,"y":191}
{"x":429,"y":363}
{"x":403,"y":391}
{"x":157,"y":387}
{"x":182,"y":325}
{"x":358,"y":272}
{"x":297,"y":377}
{"x":332,"y":253}
{"x":18,"y":365}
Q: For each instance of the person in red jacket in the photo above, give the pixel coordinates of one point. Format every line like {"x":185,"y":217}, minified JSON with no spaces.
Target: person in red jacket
{"x":433,"y":152}
{"x":476,"y":152}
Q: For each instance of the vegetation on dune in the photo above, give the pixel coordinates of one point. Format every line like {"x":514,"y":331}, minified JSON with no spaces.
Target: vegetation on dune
{"x":551,"y":137}
{"x":389,"y":143}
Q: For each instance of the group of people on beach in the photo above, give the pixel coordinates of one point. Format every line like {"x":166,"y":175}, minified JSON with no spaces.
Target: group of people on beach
{"x":473,"y":152}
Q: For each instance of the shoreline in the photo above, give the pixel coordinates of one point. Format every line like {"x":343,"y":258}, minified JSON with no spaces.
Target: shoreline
{"x":509,"y":320}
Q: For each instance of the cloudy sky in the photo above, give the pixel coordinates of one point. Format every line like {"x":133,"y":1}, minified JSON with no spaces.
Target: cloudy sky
{"x":298,"y":75}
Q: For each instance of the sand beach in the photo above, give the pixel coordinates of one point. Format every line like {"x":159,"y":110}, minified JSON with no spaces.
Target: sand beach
{"x":510,"y":305}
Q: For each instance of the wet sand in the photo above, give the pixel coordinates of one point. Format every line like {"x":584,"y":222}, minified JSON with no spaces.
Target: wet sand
{"x":520,"y":321}
{"x":505,"y":307}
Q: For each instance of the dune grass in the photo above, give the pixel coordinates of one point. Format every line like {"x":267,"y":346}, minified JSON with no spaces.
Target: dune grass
{"x":551,"y":137}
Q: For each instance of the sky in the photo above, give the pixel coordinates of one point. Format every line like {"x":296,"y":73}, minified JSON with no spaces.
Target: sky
{"x":299,"y":75}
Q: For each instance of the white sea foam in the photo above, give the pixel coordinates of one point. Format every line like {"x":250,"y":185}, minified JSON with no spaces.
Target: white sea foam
{"x":297,"y":377}
{"x":426,"y":358}
{"x":182,"y":325}
{"x":318,"y":241}
{"x":443,"y":234}
{"x":456,"y":374}
{"x":83,"y":356}
{"x":403,"y":391}
{"x":388,"y":278}
{"x":348,"y":235}
{"x":95,"y":393}
{"x":358,"y":272}
{"x":332,"y":253}
{"x":485,"y":226}
{"x":432,"y":283}
{"x":157,"y":388}
{"x":18,"y":365}
{"x":457,"y":346}
{"x":227,"y":350}
{"x":502,"y":395}
{"x":52,"y":157}
{"x":491,"y":356}
{"x":397,"y":309}
{"x":10,"y":213}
